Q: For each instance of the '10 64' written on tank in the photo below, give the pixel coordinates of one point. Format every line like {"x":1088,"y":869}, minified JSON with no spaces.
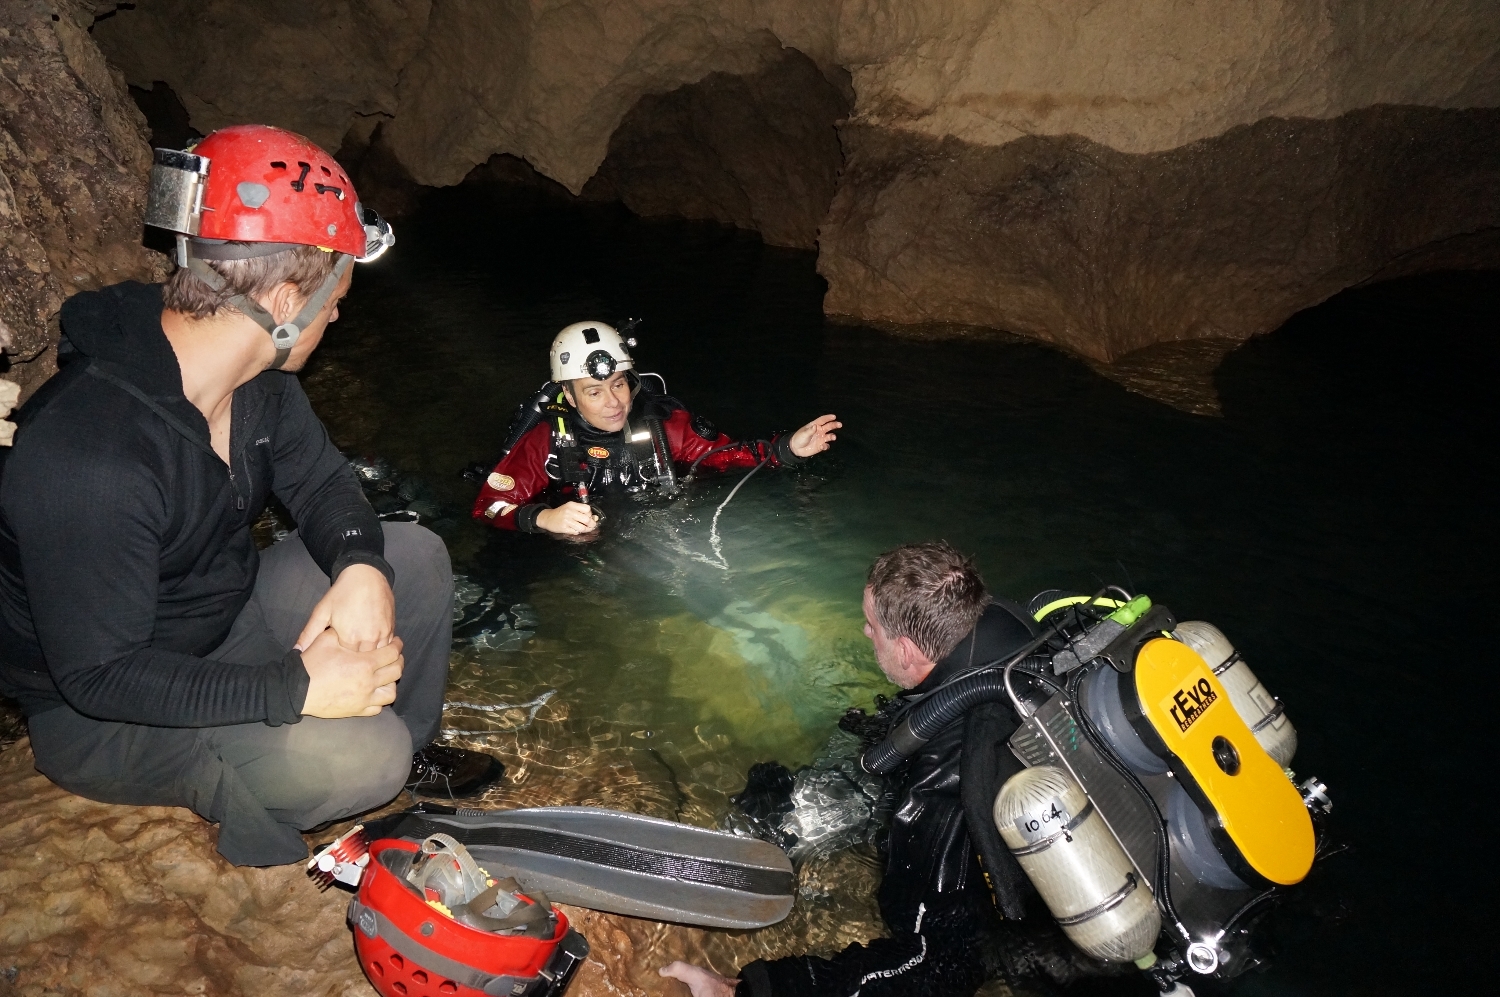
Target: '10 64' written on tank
{"x":1043,"y":822}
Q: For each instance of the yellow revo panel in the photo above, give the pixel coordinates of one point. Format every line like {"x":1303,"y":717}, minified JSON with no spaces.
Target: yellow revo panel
{"x":1258,"y":806}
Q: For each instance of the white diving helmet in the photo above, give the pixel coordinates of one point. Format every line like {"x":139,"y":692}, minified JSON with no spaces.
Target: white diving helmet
{"x":589,"y":349}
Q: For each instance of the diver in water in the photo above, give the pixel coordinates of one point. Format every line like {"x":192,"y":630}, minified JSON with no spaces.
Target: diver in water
{"x":160,"y":658}
{"x":931,"y":620}
{"x":599,"y":425}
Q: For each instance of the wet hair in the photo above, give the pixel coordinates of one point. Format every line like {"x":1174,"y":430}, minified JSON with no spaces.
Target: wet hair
{"x":929,"y":593}
{"x":304,"y":266}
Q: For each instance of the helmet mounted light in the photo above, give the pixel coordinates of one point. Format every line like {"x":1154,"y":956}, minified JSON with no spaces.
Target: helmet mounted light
{"x":253,"y":190}
{"x":599,"y":364}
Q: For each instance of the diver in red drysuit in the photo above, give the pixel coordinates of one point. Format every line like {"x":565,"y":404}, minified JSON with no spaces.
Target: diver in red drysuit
{"x":598,"y":425}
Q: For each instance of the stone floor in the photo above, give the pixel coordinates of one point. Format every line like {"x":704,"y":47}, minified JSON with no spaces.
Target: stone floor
{"x":113,"y":901}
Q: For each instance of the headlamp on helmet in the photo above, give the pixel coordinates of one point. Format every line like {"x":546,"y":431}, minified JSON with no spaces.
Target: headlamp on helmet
{"x":589,"y":349}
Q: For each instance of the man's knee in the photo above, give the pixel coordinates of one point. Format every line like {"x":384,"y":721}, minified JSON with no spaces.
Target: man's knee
{"x":348,"y":766}
{"x":417,"y":550}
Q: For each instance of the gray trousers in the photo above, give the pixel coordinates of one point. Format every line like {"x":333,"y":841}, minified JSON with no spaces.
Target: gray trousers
{"x":262,"y":785}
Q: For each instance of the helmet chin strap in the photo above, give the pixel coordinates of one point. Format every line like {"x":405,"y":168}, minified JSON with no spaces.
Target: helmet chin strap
{"x":284,"y":335}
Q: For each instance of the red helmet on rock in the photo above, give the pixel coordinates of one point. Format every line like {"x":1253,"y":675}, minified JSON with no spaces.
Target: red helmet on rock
{"x":253,"y":190}
{"x":408,"y":948}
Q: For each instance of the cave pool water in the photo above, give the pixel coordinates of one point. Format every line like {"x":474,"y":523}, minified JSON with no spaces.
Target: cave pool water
{"x":1337,"y":523}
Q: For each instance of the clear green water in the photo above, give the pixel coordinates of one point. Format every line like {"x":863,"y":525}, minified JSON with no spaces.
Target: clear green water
{"x":1338,"y":523}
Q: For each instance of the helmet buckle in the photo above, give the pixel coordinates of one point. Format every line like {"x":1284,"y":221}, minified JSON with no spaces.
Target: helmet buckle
{"x":285,"y":335}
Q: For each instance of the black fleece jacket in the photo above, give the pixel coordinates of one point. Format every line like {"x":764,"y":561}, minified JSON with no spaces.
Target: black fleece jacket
{"x":125,"y":546}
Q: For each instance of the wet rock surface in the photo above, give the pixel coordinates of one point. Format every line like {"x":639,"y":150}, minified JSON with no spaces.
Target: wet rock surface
{"x":1104,"y":252}
{"x":133,"y":900}
{"x":73,"y":165}
{"x":102,"y":899}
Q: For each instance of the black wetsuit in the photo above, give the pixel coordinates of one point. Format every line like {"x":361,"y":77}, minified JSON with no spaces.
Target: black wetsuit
{"x":933,"y":898}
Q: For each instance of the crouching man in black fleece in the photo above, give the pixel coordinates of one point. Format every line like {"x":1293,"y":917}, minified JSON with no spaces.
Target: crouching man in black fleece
{"x":160,"y":659}
{"x":931,"y":620}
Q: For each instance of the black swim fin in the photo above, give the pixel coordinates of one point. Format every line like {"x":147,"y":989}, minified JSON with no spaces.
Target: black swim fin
{"x":617,"y":862}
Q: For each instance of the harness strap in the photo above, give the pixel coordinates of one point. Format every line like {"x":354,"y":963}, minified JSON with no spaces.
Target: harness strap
{"x":535,"y":918}
{"x":193,"y":437}
{"x":283,"y":335}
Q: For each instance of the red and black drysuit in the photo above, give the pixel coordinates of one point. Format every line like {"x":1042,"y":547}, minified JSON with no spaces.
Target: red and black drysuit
{"x":534,"y":475}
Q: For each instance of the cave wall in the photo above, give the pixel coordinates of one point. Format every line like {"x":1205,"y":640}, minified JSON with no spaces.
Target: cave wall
{"x":549,"y":81}
{"x":1105,"y":252}
{"x":1104,"y":174}
{"x":73,"y":165}
{"x":758,"y":152}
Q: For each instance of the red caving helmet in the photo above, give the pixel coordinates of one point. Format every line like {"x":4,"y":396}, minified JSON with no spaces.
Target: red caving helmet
{"x":408,"y":949}
{"x":255,"y":183}
{"x":269,"y":185}
{"x":253,"y":190}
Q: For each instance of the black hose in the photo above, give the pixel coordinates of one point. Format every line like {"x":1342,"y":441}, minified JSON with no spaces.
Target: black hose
{"x":927,"y":720}
{"x":947,"y":703}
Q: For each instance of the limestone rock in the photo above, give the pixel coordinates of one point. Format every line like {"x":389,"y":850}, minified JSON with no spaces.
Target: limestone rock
{"x":315,"y":66}
{"x":1104,"y":252}
{"x":1103,"y":175}
{"x":758,"y":152}
{"x":73,"y":166}
{"x":10,"y":394}
{"x":550,"y":82}
{"x":1151,"y":75}
{"x":133,"y":901}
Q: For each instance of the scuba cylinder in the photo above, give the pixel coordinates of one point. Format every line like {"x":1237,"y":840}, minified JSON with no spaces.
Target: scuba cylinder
{"x":1143,"y":767}
{"x":1262,"y":712}
{"x":1082,"y":873}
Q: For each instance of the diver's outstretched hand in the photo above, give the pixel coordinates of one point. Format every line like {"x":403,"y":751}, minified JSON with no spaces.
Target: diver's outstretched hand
{"x":816,"y":436}
{"x":702,"y":982}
